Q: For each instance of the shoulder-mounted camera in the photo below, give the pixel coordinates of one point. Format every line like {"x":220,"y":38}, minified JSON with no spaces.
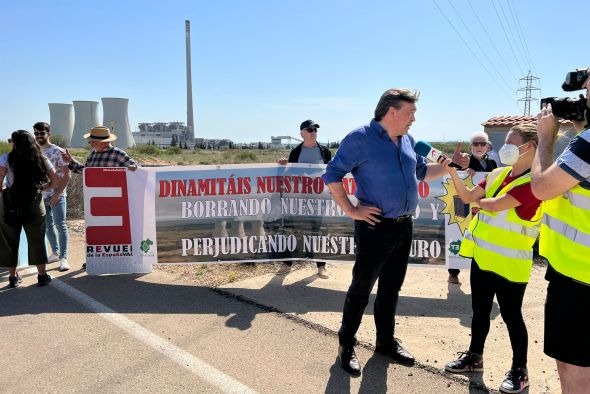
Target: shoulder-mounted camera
{"x":567,"y":107}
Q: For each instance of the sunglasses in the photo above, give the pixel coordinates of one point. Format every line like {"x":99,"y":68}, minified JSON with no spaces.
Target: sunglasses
{"x":477,"y":143}
{"x":311,"y":130}
{"x":39,"y":133}
{"x":10,"y":140}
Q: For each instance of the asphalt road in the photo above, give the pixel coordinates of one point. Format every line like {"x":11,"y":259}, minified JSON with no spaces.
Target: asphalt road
{"x":153,"y":333}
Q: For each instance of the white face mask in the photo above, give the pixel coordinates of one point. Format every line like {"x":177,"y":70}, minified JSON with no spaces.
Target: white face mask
{"x":509,"y":154}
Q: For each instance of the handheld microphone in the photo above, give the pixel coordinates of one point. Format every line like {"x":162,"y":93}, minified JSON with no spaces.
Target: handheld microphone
{"x":426,"y":150}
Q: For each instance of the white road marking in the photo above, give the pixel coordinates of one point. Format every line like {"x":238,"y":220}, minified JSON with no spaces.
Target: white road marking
{"x":216,"y":378}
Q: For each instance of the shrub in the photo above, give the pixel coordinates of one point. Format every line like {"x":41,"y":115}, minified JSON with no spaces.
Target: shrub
{"x":246,"y":157}
{"x":147,"y":150}
{"x":5,"y":147}
{"x":75,"y":199}
{"x":173,"y":150}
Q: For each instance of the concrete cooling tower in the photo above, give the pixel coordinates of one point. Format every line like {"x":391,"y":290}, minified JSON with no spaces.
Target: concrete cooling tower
{"x":116,"y":117}
{"x":86,"y":113}
{"x":61,"y":119}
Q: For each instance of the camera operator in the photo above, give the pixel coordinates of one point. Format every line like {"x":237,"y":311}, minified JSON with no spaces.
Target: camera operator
{"x":565,"y":238}
{"x":563,"y":139}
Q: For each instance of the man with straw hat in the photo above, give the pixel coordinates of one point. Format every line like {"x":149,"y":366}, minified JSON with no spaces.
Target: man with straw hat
{"x":103,"y":154}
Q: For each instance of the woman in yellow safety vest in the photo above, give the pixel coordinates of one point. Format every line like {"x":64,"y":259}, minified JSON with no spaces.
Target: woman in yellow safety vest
{"x":499,"y":242}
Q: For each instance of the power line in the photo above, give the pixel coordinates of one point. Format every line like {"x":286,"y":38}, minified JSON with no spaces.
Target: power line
{"x":518,"y":47}
{"x":506,"y":35}
{"x":479,"y":45}
{"x":510,"y":31}
{"x":500,"y":56}
{"x":470,"y":50}
{"x":521,"y":34}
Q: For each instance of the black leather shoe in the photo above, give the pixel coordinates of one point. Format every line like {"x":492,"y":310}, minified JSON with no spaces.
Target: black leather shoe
{"x":349,"y":361}
{"x":396,"y":351}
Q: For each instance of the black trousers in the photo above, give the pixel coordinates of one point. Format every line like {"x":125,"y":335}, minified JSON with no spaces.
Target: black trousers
{"x":484,"y":285}
{"x":382,"y":253}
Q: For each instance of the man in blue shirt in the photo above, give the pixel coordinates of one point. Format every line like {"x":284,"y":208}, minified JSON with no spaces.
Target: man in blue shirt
{"x":386,"y":170}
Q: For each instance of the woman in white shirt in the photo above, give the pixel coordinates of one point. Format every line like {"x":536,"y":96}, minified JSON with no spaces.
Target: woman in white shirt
{"x":27,"y":172}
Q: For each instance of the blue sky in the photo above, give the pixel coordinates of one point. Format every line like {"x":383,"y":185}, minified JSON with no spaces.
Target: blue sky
{"x":262,"y":67}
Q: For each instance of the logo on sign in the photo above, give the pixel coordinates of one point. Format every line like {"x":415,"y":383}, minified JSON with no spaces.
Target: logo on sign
{"x":454,"y":247}
{"x":145,"y":245}
{"x":106,"y":206}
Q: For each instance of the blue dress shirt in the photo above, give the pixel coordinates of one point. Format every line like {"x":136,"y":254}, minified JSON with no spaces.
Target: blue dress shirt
{"x":386,"y":174}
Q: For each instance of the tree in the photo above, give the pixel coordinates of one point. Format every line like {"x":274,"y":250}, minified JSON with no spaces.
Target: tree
{"x":173,"y":142}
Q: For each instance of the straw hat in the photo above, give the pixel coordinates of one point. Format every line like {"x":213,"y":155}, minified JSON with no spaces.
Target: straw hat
{"x":100,"y":133}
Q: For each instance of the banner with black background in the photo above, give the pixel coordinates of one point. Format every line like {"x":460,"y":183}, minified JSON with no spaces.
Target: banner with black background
{"x":273,"y":212}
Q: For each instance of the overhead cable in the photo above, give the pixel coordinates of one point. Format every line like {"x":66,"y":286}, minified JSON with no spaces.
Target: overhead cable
{"x":471,"y":50}
{"x":507,"y":39}
{"x":521,"y":35}
{"x":490,"y":62}
{"x":500,"y":55}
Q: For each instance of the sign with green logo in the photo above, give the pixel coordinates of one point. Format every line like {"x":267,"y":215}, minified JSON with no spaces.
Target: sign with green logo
{"x":145,"y":245}
{"x":454,"y":247}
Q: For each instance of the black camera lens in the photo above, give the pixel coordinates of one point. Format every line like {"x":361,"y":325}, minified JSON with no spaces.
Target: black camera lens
{"x":574,"y":80}
{"x":566,"y":107}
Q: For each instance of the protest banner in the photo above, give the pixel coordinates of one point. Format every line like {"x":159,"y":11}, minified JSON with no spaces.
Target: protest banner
{"x":113,"y":219}
{"x":459,"y":216}
{"x":243,"y":213}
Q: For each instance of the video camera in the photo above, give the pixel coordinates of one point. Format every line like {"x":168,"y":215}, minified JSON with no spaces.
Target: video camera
{"x":569,"y":108}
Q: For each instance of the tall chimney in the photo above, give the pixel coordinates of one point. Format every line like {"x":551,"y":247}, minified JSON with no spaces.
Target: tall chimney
{"x":189,"y":82}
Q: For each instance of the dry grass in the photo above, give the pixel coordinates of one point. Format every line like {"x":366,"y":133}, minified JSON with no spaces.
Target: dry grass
{"x":175,"y":156}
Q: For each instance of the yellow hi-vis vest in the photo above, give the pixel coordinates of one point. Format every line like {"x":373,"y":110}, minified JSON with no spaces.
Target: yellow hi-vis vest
{"x":565,"y":234}
{"x":502,"y":242}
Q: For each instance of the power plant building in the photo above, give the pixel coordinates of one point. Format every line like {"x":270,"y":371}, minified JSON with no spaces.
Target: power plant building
{"x":162,"y":134}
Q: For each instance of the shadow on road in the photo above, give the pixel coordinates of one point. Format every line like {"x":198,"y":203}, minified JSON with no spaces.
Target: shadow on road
{"x":135,"y":294}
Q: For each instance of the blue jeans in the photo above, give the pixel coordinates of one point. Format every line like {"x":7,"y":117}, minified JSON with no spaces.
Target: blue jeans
{"x":56,"y":227}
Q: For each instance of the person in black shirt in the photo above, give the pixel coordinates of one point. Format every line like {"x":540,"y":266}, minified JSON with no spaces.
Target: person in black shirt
{"x":309,"y":151}
{"x":478,"y":159}
{"x":478,"y":162}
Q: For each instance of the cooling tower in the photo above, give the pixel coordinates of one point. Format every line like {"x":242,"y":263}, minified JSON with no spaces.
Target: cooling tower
{"x":61,"y":119}
{"x":115,"y":115}
{"x":86,"y":113}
